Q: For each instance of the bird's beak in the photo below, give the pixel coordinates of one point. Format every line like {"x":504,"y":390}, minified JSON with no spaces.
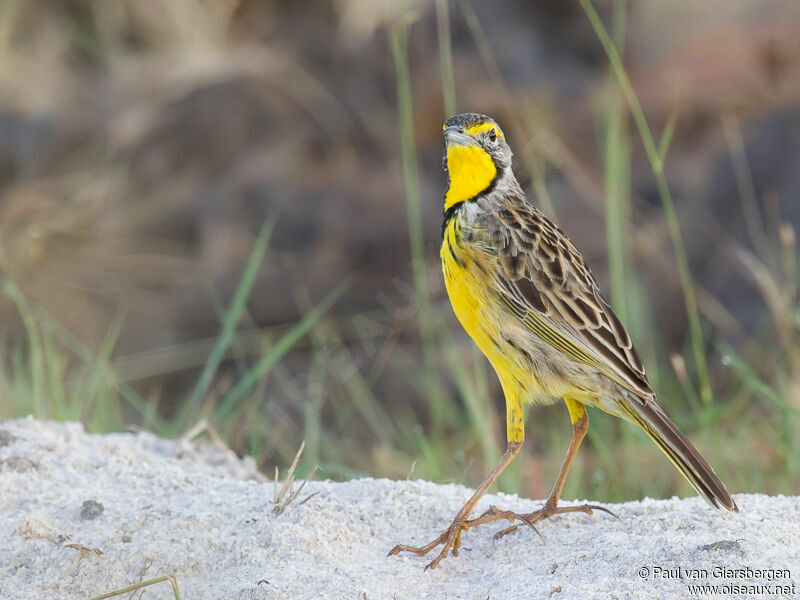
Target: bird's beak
{"x":452,"y":136}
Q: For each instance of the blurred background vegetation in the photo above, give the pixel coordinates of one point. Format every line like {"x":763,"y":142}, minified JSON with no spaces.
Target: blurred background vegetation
{"x":223,"y":216}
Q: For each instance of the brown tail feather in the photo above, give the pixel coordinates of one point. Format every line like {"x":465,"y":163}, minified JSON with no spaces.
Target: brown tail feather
{"x":649,"y":416}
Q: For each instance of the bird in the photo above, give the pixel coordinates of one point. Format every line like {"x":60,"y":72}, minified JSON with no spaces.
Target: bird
{"x":523,"y":293}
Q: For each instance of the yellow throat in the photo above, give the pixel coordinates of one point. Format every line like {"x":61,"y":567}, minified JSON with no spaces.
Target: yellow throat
{"x":471,"y":171}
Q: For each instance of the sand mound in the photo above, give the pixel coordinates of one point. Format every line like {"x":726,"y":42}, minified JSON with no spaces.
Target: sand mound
{"x":156,"y":507}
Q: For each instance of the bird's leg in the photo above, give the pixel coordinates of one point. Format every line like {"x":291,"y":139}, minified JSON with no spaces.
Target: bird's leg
{"x":451,"y":537}
{"x":580,"y":425}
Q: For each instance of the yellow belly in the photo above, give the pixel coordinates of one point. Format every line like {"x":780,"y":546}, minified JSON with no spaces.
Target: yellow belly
{"x":479,"y":312}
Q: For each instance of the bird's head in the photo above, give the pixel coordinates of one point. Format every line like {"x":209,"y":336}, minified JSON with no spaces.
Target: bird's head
{"x":476,"y":156}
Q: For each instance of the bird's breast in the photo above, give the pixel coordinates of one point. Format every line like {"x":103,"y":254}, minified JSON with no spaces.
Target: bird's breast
{"x":468,"y":278}
{"x":467,"y":285}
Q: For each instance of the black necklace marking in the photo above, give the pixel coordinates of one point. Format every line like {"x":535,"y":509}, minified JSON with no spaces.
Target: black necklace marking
{"x":448,"y":214}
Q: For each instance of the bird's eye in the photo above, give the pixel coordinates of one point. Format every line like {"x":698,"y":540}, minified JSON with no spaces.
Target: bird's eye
{"x":492,"y":135}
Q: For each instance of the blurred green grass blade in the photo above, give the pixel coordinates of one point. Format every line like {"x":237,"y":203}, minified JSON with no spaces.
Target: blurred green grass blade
{"x":87,"y":357}
{"x":36,"y":366}
{"x":219,"y":310}
{"x":446,"y":57}
{"x":437,"y":400}
{"x":346,"y":370}
{"x":359,"y":392}
{"x":617,"y":189}
{"x":619,"y":23}
{"x":748,"y":196}
{"x":754,"y":383}
{"x":477,"y":408}
{"x":289,"y":339}
{"x":617,"y":183}
{"x":97,"y":412}
{"x":410,"y":168}
{"x":603,"y":449}
{"x":229,"y":323}
{"x":787,"y":237}
{"x":625,"y":85}
{"x":312,"y":406}
{"x":56,"y":401}
{"x":430,"y":457}
{"x":9,"y":13}
{"x":666,"y":136}
{"x":770,"y":290}
{"x":657,"y":166}
{"x":788,"y":441}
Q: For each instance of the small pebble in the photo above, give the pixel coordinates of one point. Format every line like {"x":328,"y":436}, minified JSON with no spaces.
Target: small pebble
{"x":18,"y":463}
{"x":6,"y":439}
{"x":91,"y":509}
{"x":724,"y":545}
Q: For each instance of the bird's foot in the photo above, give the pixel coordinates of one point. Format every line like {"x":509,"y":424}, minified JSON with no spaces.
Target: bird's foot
{"x":450,"y":540}
{"x":530,"y":519}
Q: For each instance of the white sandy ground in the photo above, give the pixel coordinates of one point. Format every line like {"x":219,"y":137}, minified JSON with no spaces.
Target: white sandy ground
{"x":200,"y":513}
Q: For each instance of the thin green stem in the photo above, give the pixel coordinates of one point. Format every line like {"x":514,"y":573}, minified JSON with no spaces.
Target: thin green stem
{"x":229,"y":323}
{"x":666,"y":136}
{"x":446,"y":57}
{"x":617,"y":184}
{"x":270,"y":357}
{"x":414,"y":215}
{"x":747,"y":191}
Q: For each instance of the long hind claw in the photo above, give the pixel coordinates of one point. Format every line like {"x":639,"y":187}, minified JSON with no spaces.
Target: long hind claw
{"x":546,"y":511}
{"x":495,"y":514}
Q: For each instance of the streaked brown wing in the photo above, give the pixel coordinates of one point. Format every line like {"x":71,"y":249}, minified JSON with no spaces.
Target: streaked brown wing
{"x":546,"y":283}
